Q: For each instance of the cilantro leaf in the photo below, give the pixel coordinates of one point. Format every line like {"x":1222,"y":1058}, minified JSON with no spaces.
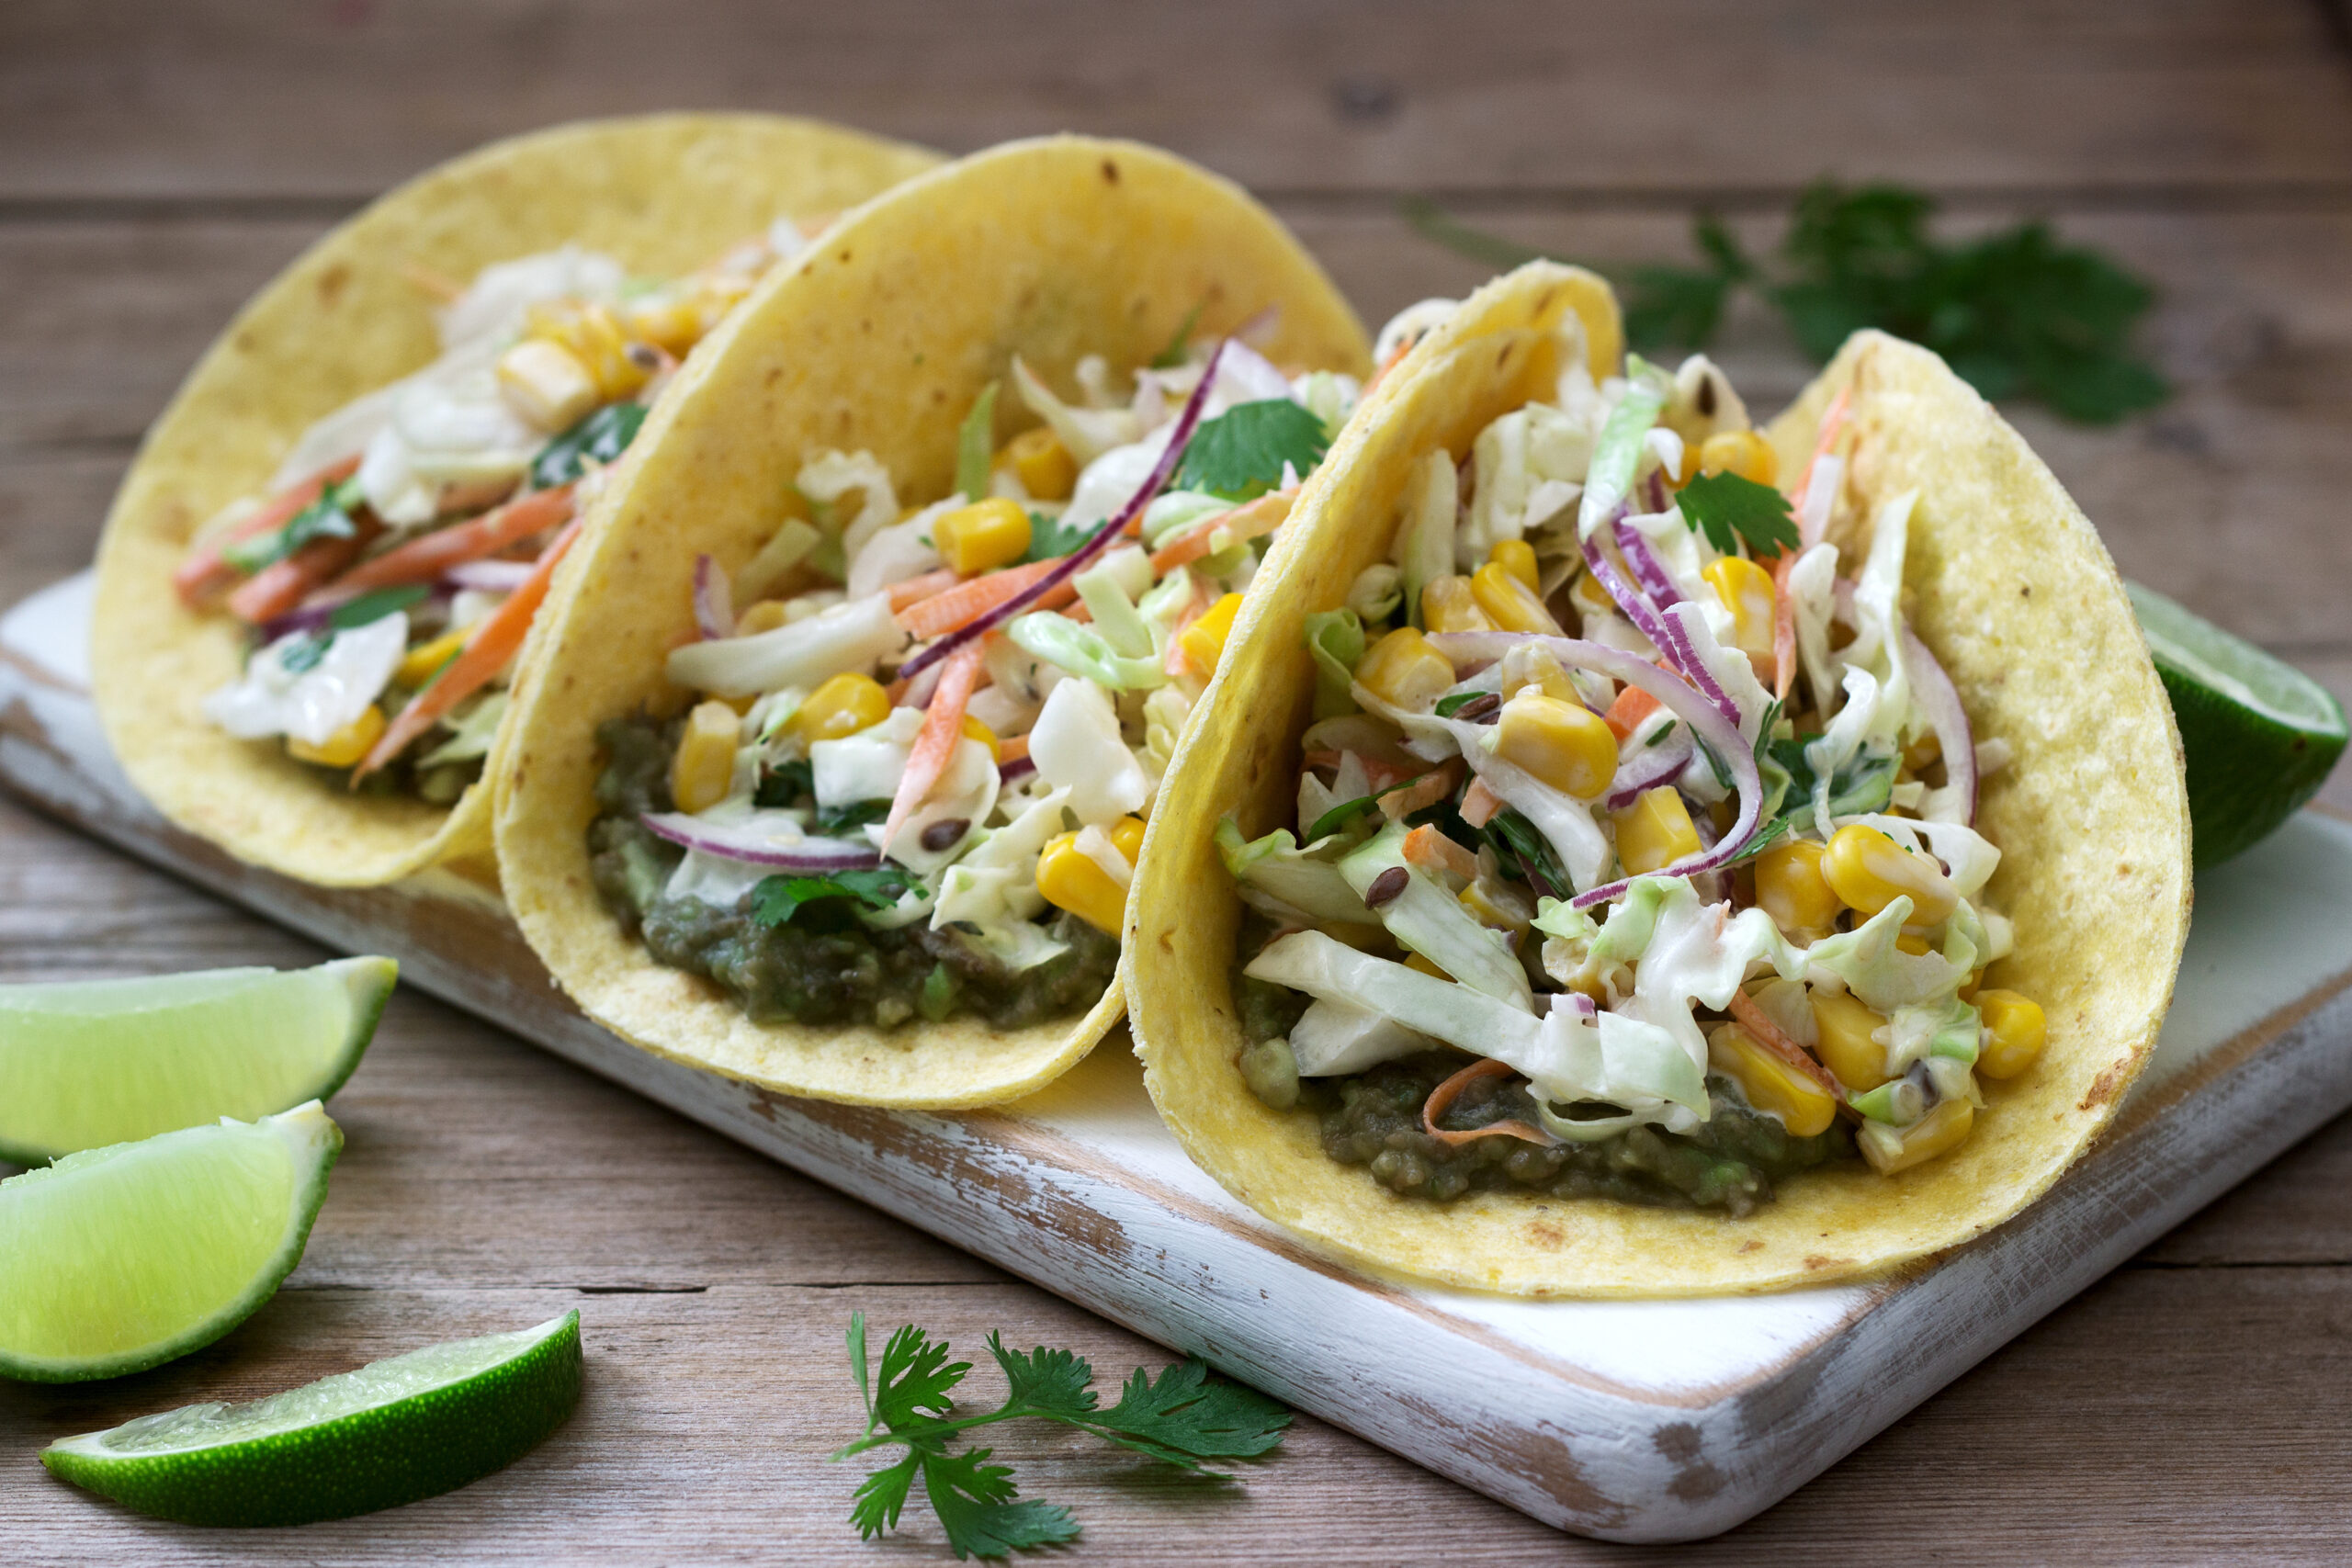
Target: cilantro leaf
{"x":882,"y":1495}
{"x":1240,"y":455}
{"x":975,"y":1504}
{"x":781,"y":783}
{"x":1723,"y":505}
{"x":916,"y":1379}
{"x":1172,"y":357}
{"x":1186,"y":1417}
{"x":304,"y":654}
{"x":975,"y":444}
{"x":1047,"y":1381}
{"x":1048,"y":540}
{"x":328,"y":517}
{"x":375,"y":605}
{"x":840,"y":819}
{"x":603,"y":435}
{"x":775,"y":899}
{"x":1447,"y":704}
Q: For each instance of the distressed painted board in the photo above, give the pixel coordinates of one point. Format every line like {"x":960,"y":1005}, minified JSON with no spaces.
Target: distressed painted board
{"x":1629,"y":1421}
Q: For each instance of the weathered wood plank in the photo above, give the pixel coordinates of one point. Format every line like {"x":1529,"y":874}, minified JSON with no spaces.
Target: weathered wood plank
{"x":232,"y":98}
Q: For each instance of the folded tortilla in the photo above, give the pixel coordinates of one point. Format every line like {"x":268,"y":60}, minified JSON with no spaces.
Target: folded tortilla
{"x":2015,"y":595}
{"x":660,"y":194}
{"x":879,"y":339}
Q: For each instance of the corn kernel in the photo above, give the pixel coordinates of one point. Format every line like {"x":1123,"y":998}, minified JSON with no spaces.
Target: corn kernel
{"x":1890,"y":1149}
{"x":982,"y":536}
{"x":675,"y":321}
{"x":1127,"y":837}
{"x":765,"y":616}
{"x":1203,"y":641}
{"x":1912,"y":943}
{"x":704,"y":770}
{"x":1414,"y":961}
{"x":975,"y":730}
{"x":1041,"y":464}
{"x":424,"y":662}
{"x":1790,"y":886}
{"x":1404,"y":670}
{"x":1589,"y":598}
{"x":1517,"y":556}
{"x":546,"y":384}
{"x":1069,"y":880}
{"x":1745,"y":590}
{"x":348,"y":745}
{"x":1567,"y":745}
{"x":1448,"y":605}
{"x":1654,"y":831}
{"x":598,"y":342}
{"x":1528,"y":665}
{"x":2015,"y":1033}
{"x":1509,"y":603}
{"x":843,"y":705}
{"x":1923,"y":751}
{"x":1848,"y":1046}
{"x":1796,"y":1097}
{"x":1869,"y":871}
{"x":1741,"y":452}
{"x":1495,"y":904}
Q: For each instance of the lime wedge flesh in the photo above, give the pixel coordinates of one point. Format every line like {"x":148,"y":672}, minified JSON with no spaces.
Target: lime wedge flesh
{"x":2259,"y":735}
{"x":119,"y":1258}
{"x":389,"y":1433}
{"x":87,"y":1064}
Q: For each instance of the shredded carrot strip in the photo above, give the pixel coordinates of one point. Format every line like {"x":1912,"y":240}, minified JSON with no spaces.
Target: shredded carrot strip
{"x":204,"y":575}
{"x":282,"y":584}
{"x":934,"y":747}
{"x":1012,"y":748}
{"x":1262,"y":515}
{"x":1426,"y":846}
{"x":1446,"y":1093}
{"x":1632,"y":707}
{"x":966,"y":602}
{"x":1385,"y":775}
{"x":916,"y":589}
{"x":1176,"y":661}
{"x":422,"y":561}
{"x":1784,"y":628}
{"x":1833,"y":419}
{"x":494,"y":642}
{"x":1480,"y":803}
{"x":1428,"y":789}
{"x":1759,"y":1023}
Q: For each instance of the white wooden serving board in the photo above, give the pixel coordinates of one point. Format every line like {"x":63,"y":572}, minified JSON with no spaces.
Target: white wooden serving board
{"x":1631,"y":1420}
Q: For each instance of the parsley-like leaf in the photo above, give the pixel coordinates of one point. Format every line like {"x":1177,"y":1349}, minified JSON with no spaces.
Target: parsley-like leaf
{"x":781,"y":783}
{"x":1048,"y":540}
{"x":1240,"y":453}
{"x":916,"y":1378}
{"x":775,"y":899}
{"x":1047,"y":1382}
{"x":1728,"y":508}
{"x":1184,"y":1418}
{"x":329,"y":517}
{"x":839,"y":819}
{"x":975,"y":1504}
{"x":375,"y":606}
{"x":882,"y":1495}
{"x":975,"y":444}
{"x":603,"y":435}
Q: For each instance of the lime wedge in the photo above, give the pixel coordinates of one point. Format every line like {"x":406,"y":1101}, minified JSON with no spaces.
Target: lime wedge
{"x":391,"y":1432}
{"x":92,"y":1063}
{"x":114,"y":1259}
{"x":2259,"y":735}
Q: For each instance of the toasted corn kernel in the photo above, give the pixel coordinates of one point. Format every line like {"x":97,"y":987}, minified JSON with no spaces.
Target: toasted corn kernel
{"x":1745,"y":590}
{"x":598,"y":342}
{"x":975,"y":730}
{"x":1790,"y":886}
{"x":843,"y":705}
{"x":1517,"y":556}
{"x":1041,"y":464}
{"x":2015,"y":1032}
{"x":348,"y":745}
{"x":1404,"y":670}
{"x":1801,"y":1104}
{"x":1511,"y":603}
{"x":1890,"y":1149}
{"x":1848,"y":1045}
{"x":1565,"y":744}
{"x":546,"y":383}
{"x":1869,"y":871}
{"x":704,"y":768}
{"x":1741,"y":452}
{"x":1448,"y":605}
{"x":982,"y":536}
{"x":1654,"y":831}
{"x":1069,"y":880}
{"x":1203,"y":641}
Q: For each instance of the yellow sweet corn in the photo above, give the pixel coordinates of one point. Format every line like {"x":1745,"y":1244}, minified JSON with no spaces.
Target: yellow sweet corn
{"x":346,"y":745}
{"x":1497,"y":904}
{"x":424,"y":662}
{"x":1803,"y":1105}
{"x":1890,"y":1149}
{"x":1869,"y":871}
{"x":1203,"y":641}
{"x":843,"y":705}
{"x":1403,"y":669}
{"x":1041,"y":464}
{"x":1741,"y":452}
{"x":1069,"y":880}
{"x":975,"y":730}
{"x":1527,"y":665}
{"x":982,"y":536}
{"x":1567,"y":745}
{"x":1448,"y":605}
{"x":1414,"y":960}
{"x":2015,"y":1032}
{"x":1127,"y":837}
{"x":1790,"y":886}
{"x":1518,"y":558}
{"x":1745,"y":590}
{"x":546,"y":383}
{"x":765,"y":616}
{"x":1589,"y":598}
{"x":673,"y":321}
{"x":1511,"y":603}
{"x":598,"y":342}
{"x":703,"y":769}
{"x":1848,"y":1046}
{"x":1654,"y":831}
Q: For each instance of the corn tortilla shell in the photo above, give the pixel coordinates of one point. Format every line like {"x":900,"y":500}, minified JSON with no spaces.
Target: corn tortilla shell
{"x":878,"y":340}
{"x":660,"y":194}
{"x":2019,"y":600}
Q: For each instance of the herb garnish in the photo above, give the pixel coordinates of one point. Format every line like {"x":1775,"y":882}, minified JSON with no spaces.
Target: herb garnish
{"x":1723,"y":505}
{"x":603,"y":435}
{"x":328,"y":517}
{"x":1340,"y":816}
{"x":1452,"y":700}
{"x":775,"y":899}
{"x":976,"y":446}
{"x":841,"y":819}
{"x":1048,"y":540}
{"x":1515,"y":837}
{"x":781,"y":783}
{"x":304,"y":653}
{"x":2016,"y":313}
{"x":1240,"y":455}
{"x":1184,"y":1418}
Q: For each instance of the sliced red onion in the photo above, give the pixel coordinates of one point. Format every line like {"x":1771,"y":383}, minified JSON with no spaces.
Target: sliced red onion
{"x":1113,"y":528}
{"x":1642,"y":563}
{"x":312,"y":616}
{"x":1932,"y":689}
{"x":1016,"y":770}
{"x":490,"y":576}
{"x":713,"y":600}
{"x":1655,"y":765}
{"x":1657,"y":489}
{"x":1708,"y":726}
{"x":726,"y":843}
{"x":1665,"y":633}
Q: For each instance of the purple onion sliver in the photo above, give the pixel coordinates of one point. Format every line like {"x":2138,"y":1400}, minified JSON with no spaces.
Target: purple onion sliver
{"x":313,"y":615}
{"x":1115,"y":525}
{"x":490,"y":576}
{"x":1016,"y":770}
{"x":1678,"y":647}
{"x":1630,"y":599}
{"x":1661,"y":765}
{"x":714,"y":606}
{"x":1657,"y":489}
{"x":1932,"y":689}
{"x":1647,"y":570}
{"x":812,"y":854}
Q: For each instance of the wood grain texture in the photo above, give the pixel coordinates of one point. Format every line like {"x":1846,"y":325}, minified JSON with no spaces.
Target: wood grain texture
{"x":156,"y":164}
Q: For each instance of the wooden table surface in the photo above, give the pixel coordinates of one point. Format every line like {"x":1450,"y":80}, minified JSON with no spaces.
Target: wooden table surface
{"x":158,"y":162}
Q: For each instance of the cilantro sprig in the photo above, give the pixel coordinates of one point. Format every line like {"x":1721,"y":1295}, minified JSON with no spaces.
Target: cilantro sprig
{"x":2018,"y":313}
{"x":1048,"y":540}
{"x":1727,"y":508}
{"x":1240,"y":455}
{"x":1183,"y":1418}
{"x":328,"y":517}
{"x":775,"y":899}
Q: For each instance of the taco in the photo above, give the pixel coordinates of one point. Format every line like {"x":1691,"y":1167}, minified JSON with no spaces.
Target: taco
{"x":1663,"y":856}
{"x":317,"y":575}
{"x":833,"y":776}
